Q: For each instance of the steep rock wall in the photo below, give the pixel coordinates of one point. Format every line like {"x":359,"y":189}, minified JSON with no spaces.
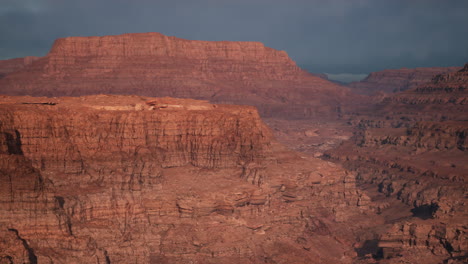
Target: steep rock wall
{"x":114,"y":179}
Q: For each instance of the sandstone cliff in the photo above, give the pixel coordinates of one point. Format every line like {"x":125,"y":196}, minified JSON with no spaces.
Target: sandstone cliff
{"x":129,"y":179}
{"x":152,"y":64}
{"x":391,"y":81}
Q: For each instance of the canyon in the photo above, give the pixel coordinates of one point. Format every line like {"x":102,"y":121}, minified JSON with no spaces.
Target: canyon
{"x":127,"y":149}
{"x":412,"y":147}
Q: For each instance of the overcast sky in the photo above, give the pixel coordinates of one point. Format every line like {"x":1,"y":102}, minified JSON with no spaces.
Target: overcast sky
{"x":341,"y":37}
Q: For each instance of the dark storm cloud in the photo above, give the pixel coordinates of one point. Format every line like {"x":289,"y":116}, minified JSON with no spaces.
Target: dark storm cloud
{"x":335,"y":36}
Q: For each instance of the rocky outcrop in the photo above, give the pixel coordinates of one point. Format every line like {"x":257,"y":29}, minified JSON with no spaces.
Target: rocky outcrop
{"x":152,"y":64}
{"x":445,"y":89}
{"x":424,"y":170}
{"x":129,"y":179}
{"x":423,"y":136}
{"x":412,"y":147}
{"x":392,"y":81}
{"x":439,"y":238}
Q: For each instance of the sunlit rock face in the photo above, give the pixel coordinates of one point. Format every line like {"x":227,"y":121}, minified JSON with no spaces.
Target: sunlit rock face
{"x":152,"y":64}
{"x":130,"y":179}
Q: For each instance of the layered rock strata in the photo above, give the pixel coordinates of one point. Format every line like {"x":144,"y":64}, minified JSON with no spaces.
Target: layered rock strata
{"x":444,"y":89}
{"x":152,"y":64}
{"x":114,"y":179}
{"x":412,"y":146}
{"x":12,"y":65}
{"x":398,"y":80}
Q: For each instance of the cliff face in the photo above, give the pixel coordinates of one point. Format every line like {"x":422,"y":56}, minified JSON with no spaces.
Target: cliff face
{"x":127,"y":179}
{"x":156,"y":65}
{"x":412,"y":146}
{"x":392,"y":81}
{"x":175,"y":134}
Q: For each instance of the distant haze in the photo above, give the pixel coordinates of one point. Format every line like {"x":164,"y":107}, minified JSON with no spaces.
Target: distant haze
{"x":334,"y":36}
{"x":346,"y":77}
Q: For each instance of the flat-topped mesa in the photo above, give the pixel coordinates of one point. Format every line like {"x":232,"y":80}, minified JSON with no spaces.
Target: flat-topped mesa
{"x":156,"y":44}
{"x":159,"y":56}
{"x":178,"y":133}
{"x":152,"y":64}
